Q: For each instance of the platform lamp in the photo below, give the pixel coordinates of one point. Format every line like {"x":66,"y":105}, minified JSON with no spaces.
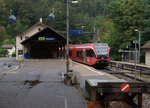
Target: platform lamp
{"x":12,"y":18}
{"x":67,"y":55}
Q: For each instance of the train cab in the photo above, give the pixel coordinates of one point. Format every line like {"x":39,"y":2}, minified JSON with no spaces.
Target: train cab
{"x":102,"y":53}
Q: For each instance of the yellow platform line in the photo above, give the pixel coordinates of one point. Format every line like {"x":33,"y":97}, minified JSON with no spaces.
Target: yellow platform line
{"x":10,"y":71}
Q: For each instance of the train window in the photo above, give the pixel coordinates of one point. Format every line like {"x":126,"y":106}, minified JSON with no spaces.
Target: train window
{"x":70,"y":53}
{"x":101,"y":50}
{"x":90,"y":53}
{"x":87,"y":53}
{"x":79,"y":54}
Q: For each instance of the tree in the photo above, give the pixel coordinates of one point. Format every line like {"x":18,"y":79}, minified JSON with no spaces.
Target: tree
{"x":146,"y":21}
{"x":3,"y":13}
{"x":19,"y":27}
{"x":3,"y":52}
{"x":9,"y":41}
{"x":3,"y":34}
{"x":110,"y":35}
{"x":127,"y":16}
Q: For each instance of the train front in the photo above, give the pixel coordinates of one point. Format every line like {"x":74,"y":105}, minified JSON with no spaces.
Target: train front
{"x":102,"y":54}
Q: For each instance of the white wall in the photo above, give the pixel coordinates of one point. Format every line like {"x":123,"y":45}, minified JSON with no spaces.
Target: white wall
{"x":147,"y":57}
{"x":11,"y":51}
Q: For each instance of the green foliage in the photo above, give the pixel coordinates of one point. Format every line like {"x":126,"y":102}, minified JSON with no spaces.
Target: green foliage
{"x":146,"y":21}
{"x":3,"y":34}
{"x":119,"y":29}
{"x":3,"y":13}
{"x":3,"y":52}
{"x":19,"y":27}
{"x":110,"y":35}
{"x":14,"y":54}
{"x":9,"y":41}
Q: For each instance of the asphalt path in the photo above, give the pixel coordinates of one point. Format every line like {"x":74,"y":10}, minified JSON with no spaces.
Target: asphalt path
{"x":38,"y":84}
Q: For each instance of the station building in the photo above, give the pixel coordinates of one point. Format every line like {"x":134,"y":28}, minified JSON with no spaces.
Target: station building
{"x":147,"y":52}
{"x":41,"y":42}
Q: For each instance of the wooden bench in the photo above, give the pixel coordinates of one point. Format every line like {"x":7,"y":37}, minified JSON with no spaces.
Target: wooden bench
{"x":110,"y":90}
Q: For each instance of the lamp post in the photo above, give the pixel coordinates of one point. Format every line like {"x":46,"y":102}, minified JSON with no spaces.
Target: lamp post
{"x":139,"y":43}
{"x":67,"y":55}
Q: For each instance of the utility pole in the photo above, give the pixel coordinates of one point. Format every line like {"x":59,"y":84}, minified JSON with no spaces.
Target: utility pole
{"x":139,"y":35}
{"x":67,"y":55}
{"x":135,"y":59}
{"x":139,"y":44}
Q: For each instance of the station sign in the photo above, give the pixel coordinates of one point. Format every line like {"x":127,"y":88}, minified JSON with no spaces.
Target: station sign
{"x":47,"y":38}
{"x":75,"y":32}
{"x":50,"y":38}
{"x":41,"y":38}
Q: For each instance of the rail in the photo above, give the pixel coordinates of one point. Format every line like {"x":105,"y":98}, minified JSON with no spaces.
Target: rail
{"x":141,"y":69}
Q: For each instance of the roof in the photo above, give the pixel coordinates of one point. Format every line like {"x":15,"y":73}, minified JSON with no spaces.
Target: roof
{"x":39,"y":23}
{"x":146,"y":46}
{"x":9,"y":46}
{"x":43,"y":30}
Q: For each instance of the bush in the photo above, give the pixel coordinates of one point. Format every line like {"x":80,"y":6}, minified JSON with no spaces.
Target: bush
{"x":117,"y":58}
{"x":14,"y":54}
{"x":3,"y":52}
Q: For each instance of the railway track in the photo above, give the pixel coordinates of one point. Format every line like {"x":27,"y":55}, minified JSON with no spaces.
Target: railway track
{"x":127,"y":78}
{"x":126,"y":75}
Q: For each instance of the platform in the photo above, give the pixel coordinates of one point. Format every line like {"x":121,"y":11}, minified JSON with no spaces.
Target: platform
{"x":128,"y":63}
{"x":38,"y":84}
{"x":84,"y":72}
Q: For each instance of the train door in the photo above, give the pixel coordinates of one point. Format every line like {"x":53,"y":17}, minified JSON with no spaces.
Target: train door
{"x":87,"y":56}
{"x":84,"y":54}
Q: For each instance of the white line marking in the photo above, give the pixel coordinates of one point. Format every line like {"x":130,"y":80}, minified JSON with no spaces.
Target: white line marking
{"x":65,"y":99}
{"x":65,"y":102}
{"x":125,"y":87}
{"x":92,"y":70}
{"x":10,"y":71}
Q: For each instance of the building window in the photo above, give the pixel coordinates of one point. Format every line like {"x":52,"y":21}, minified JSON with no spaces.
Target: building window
{"x":39,"y":29}
{"x":79,"y":54}
{"x":20,"y":52}
{"x":21,"y":38}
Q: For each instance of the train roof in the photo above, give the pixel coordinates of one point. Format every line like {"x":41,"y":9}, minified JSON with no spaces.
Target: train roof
{"x":90,"y":44}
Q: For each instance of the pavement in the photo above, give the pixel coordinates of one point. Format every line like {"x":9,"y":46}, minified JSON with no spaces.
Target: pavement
{"x":38,"y":84}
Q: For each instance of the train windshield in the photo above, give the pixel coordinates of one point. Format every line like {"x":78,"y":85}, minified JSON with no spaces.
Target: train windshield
{"x":101,"y":48}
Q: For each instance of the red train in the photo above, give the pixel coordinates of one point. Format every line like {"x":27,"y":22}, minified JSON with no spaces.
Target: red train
{"x":96,"y":54}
